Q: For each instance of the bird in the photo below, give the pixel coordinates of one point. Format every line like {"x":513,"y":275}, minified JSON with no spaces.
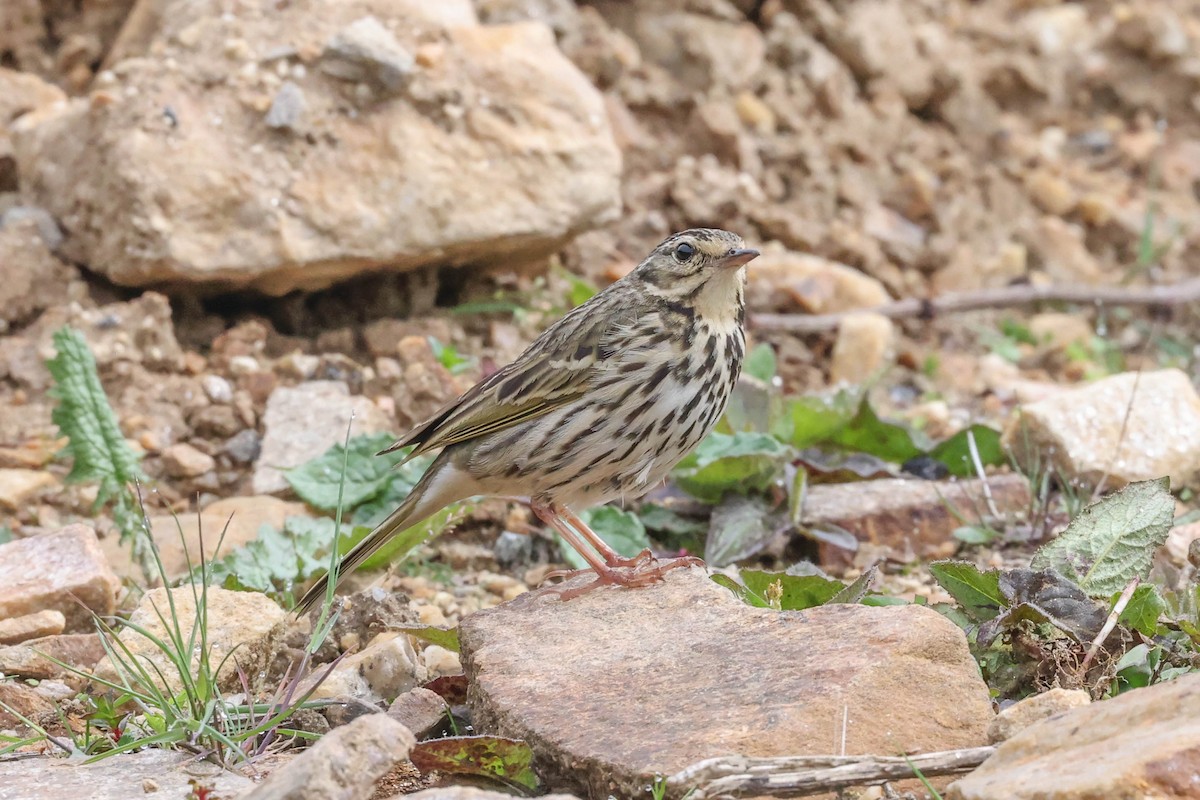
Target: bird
{"x":602,"y":405}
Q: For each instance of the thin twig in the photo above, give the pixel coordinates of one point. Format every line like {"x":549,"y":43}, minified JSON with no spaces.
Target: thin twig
{"x":1110,"y":623}
{"x":1164,"y":295}
{"x":977,"y":462}
{"x":800,"y":776}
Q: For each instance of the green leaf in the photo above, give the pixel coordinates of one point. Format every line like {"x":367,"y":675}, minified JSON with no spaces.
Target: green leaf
{"x":664,"y":520}
{"x":508,"y":761}
{"x":813,"y":419}
{"x":277,"y":560}
{"x":316,"y":482}
{"x":760,"y":363}
{"x":94,"y":439}
{"x":449,"y":357}
{"x":738,"y":528}
{"x":867,"y":433}
{"x":620,"y":530}
{"x":978,"y":593}
{"x":855,"y":592}
{"x":443,"y":637}
{"x":581,"y":290}
{"x":401,"y":545}
{"x":798,"y":591}
{"x":1112,"y":541}
{"x":1143,"y":609}
{"x":955,"y":452}
{"x":744,"y":462}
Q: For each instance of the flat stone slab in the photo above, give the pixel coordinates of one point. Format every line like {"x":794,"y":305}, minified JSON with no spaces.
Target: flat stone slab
{"x":618,"y":685}
{"x":150,"y":773}
{"x":1144,"y":743}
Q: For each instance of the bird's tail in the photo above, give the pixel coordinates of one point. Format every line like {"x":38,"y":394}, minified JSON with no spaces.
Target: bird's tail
{"x":441,"y":485}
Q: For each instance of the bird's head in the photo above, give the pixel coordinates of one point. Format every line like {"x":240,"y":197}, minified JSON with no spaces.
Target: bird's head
{"x":701,"y":267}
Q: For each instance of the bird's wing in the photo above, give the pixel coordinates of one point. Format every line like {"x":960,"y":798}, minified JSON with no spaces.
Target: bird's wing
{"x":555,"y":370}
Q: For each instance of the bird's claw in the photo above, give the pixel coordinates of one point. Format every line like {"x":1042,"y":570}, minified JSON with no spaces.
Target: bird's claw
{"x":642,"y":570}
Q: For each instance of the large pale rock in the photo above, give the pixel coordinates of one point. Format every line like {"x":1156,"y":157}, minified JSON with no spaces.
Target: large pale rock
{"x":292,"y":146}
{"x":63,"y":571}
{"x":151,"y":773}
{"x":18,"y":487}
{"x":232,"y":521}
{"x":384,"y":669}
{"x":1141,"y":744}
{"x":343,"y":765}
{"x":616,"y":685}
{"x":304,"y":421}
{"x":241,"y":620}
{"x":864,"y":346}
{"x":1121,"y":429}
{"x":38,"y":658}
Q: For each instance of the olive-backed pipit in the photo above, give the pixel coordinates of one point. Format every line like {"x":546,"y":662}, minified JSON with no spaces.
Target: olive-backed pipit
{"x":603,"y":404}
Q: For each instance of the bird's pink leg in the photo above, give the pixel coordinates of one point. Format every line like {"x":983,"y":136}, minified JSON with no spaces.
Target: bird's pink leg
{"x":611,"y":557}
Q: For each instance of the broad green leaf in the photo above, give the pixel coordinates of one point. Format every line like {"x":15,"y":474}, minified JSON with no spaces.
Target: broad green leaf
{"x":316,"y":482}
{"x":739,"y":527}
{"x":867,"y":433}
{"x":743,"y":462}
{"x":402,"y":544}
{"x":620,"y":530}
{"x":955,"y":452}
{"x":660,"y":518}
{"x":443,"y":637}
{"x":798,"y":592}
{"x":760,"y":363}
{"x":276,"y":561}
{"x":813,"y":419}
{"x":1112,"y":541}
{"x":508,"y":761}
{"x":856,"y":591}
{"x":978,"y":593}
{"x":1143,"y":610}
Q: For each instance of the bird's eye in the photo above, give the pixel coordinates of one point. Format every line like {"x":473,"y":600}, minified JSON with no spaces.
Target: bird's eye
{"x":684,"y":251}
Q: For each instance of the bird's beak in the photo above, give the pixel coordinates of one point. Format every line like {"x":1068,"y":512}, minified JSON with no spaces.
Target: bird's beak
{"x":736,"y":258}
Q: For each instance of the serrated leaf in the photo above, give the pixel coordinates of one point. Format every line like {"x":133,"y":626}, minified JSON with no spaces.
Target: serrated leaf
{"x":760,"y":362}
{"x":744,"y":462}
{"x":738,"y":528}
{"x":508,"y":761}
{"x":620,"y":530}
{"x":1143,"y":610}
{"x":1045,"y":596}
{"x":978,"y":593}
{"x":1114,"y":540}
{"x":94,"y":440}
{"x":317,"y":482}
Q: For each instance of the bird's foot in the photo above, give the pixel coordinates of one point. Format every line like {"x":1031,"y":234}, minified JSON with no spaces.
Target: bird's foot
{"x":643,"y":570}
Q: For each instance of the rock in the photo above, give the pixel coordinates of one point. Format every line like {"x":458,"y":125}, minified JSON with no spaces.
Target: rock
{"x":171,"y":773}
{"x":1051,"y":192}
{"x":20,"y":487}
{"x":615,"y":686}
{"x":1108,"y":431}
{"x":343,"y":765}
{"x":419,"y":710}
{"x":64,"y":571}
{"x":864,"y":348}
{"x":425,"y":384}
{"x":783,"y":280}
{"x":302,"y":422}
{"x":1072,"y":755}
{"x":25,"y":701}
{"x":386,"y":668}
{"x":45,"y":225}
{"x":31,"y":626}
{"x":1021,"y":715}
{"x":906,"y":518}
{"x":1060,"y":250}
{"x":242,"y":620}
{"x":243,"y":447}
{"x":366,"y":52}
{"x":233,"y":521}
{"x":468,"y":793}
{"x":31,"y":659}
{"x":439,"y":661}
{"x":184,"y":461}
{"x":20,"y":92}
{"x":31,"y":277}
{"x":422,"y":102}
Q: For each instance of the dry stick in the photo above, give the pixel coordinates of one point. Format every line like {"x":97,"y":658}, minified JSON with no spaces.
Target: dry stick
{"x":799,"y":776}
{"x":1110,"y":623}
{"x":1006,"y":297}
